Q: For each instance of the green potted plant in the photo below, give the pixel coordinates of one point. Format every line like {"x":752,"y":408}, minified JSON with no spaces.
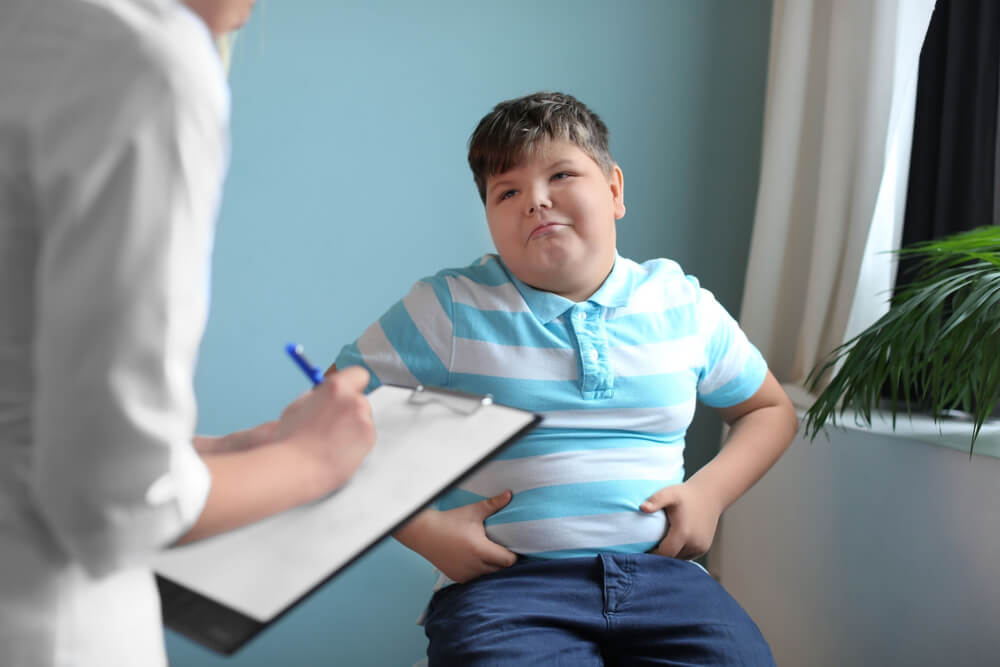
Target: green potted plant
{"x":936,"y":351}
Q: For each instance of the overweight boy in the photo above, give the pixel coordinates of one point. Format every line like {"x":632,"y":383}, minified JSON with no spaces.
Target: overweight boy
{"x":572,"y":546}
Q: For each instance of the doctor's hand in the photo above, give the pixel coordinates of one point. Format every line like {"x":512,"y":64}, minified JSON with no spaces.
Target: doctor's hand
{"x":262,"y":434}
{"x":313,"y":448}
{"x":692,"y":517}
{"x":331,"y":426}
{"x":455,"y":541}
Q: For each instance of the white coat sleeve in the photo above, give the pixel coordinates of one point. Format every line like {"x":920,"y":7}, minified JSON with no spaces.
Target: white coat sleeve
{"x":131,"y":178}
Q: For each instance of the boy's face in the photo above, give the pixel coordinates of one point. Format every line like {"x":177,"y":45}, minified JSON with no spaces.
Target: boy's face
{"x":552,"y":219}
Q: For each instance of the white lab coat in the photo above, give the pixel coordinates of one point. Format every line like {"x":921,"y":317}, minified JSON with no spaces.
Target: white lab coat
{"x":113,"y":148}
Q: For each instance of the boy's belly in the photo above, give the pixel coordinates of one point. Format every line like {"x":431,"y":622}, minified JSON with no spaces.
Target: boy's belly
{"x":621,"y":529}
{"x":576,"y":492}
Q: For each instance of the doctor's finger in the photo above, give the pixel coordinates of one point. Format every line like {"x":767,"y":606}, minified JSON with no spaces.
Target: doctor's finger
{"x":351,"y":380}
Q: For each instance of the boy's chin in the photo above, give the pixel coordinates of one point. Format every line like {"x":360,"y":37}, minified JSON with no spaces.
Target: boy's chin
{"x":563,"y":288}
{"x":565,"y":279}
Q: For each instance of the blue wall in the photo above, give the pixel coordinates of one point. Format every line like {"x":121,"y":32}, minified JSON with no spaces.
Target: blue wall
{"x":349,"y":182}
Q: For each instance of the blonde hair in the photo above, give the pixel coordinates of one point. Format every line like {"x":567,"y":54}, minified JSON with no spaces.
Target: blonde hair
{"x":225,"y":44}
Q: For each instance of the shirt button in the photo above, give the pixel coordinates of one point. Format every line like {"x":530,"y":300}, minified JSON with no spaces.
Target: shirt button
{"x":581,"y":315}
{"x":593,"y":355}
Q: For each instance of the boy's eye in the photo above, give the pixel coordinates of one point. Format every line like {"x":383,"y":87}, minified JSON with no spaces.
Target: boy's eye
{"x":507,"y":195}
{"x":561,"y":175}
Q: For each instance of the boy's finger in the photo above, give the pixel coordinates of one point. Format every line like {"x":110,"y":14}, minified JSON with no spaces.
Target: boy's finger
{"x":690,"y":554}
{"x":499,"y":557}
{"x":494,"y":504}
{"x":672,"y":545}
{"x":662,"y":498}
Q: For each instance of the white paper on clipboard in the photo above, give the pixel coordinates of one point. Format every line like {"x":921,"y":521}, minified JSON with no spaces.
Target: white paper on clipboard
{"x":222,"y":590}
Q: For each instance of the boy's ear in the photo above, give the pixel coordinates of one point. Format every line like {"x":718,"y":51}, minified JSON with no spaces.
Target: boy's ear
{"x":617,"y":182}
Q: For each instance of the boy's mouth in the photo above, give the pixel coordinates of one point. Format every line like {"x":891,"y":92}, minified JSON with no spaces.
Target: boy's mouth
{"x":545,"y":229}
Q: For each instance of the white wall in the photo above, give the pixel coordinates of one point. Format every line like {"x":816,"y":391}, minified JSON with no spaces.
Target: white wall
{"x":870,"y":549}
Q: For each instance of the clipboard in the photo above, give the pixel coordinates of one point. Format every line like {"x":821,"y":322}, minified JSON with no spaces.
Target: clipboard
{"x":222,"y":591}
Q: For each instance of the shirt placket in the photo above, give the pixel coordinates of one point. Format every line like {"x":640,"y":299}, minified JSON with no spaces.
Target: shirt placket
{"x":596,"y":379}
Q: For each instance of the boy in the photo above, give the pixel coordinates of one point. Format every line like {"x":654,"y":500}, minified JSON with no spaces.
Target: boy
{"x":585,"y":562}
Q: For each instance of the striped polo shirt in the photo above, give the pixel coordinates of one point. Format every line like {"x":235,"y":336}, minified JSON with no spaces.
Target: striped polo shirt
{"x":616,"y":379}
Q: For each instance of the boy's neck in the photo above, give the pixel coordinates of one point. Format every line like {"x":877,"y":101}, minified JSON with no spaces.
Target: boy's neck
{"x":576,"y":295}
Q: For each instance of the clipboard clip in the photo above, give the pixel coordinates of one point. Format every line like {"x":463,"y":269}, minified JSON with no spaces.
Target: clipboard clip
{"x":458,"y":401}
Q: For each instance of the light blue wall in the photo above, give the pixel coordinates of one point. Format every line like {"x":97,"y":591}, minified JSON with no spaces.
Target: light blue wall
{"x":349,"y":181}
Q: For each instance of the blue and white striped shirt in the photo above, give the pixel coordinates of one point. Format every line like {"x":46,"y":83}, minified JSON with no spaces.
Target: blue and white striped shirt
{"x":616,"y":379}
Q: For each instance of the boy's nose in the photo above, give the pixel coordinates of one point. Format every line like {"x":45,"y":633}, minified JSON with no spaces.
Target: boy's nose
{"x":538,"y":201}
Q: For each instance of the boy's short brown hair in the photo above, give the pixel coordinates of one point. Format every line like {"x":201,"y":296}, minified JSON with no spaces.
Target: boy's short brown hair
{"x":507,"y":134}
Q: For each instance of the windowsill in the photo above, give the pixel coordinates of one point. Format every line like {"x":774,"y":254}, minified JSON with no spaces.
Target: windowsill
{"x":953,"y":432}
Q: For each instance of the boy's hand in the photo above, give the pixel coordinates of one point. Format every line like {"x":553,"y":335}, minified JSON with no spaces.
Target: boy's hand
{"x":692,"y":517}
{"x":455,"y":540}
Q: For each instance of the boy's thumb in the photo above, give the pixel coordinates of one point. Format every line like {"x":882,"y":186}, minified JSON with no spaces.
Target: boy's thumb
{"x":495,"y":504}
{"x":659,"y":500}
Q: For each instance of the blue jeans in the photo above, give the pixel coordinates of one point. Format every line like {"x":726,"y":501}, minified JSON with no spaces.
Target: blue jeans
{"x":612,"y":609}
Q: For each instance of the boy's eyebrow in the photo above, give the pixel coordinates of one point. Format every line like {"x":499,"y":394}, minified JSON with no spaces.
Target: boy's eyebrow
{"x":560,"y":163}
{"x":490,"y":187}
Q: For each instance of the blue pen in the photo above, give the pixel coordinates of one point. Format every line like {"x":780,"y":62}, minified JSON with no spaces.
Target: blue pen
{"x":295,"y":351}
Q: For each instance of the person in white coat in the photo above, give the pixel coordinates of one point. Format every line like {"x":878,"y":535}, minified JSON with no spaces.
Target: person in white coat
{"x":113,"y":149}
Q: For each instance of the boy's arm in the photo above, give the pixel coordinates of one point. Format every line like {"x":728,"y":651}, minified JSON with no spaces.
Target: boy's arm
{"x":761,"y":428}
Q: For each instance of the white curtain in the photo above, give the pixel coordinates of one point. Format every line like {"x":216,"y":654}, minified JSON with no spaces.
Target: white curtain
{"x":837,"y":127}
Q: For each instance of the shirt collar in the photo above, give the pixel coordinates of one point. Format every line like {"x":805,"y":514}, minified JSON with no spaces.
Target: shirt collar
{"x":546,"y":306}
{"x":616,"y":289}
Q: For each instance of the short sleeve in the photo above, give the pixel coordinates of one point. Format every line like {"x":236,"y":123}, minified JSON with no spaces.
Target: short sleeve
{"x":412,"y":342}
{"x":734,"y":368}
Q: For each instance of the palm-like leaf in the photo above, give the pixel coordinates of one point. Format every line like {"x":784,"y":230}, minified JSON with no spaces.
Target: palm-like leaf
{"x":938,"y":347}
